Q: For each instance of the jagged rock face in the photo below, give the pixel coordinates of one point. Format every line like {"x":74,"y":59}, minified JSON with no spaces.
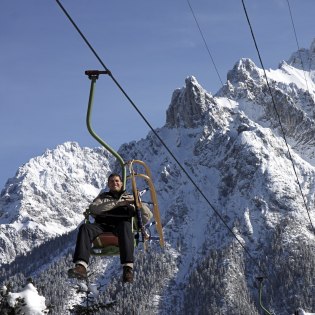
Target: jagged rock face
{"x":188,"y":106}
{"x":48,"y":196}
{"x":290,"y":100}
{"x":304,"y":59}
{"x":232,"y":147}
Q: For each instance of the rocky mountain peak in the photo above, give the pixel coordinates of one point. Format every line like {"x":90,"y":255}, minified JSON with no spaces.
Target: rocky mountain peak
{"x":188,"y":105}
{"x":304,"y":58}
{"x":243,"y":70}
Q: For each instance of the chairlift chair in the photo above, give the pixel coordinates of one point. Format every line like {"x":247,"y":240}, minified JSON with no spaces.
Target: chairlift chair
{"x":106,"y":244}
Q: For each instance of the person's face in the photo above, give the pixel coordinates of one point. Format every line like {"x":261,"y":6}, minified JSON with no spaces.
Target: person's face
{"x":115,"y":184}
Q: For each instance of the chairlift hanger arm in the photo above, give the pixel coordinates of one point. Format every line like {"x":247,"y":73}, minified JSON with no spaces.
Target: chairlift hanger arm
{"x":93,"y":76}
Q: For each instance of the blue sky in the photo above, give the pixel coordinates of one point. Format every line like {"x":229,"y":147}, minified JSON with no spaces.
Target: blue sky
{"x":150,"y":47}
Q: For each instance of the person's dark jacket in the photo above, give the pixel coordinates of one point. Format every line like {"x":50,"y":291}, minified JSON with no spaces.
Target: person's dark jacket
{"x":109,"y":207}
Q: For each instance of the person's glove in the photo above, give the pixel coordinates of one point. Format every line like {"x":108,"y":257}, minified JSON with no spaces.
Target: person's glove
{"x":131,"y":210}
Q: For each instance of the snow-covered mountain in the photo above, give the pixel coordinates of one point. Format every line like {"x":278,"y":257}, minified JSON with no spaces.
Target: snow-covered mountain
{"x":257,"y":219}
{"x":48,"y":195}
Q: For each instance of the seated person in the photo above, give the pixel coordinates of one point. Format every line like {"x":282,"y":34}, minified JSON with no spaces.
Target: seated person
{"x":112,"y":211}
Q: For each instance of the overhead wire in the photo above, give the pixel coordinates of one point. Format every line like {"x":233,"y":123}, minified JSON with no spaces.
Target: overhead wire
{"x":205,"y":42}
{"x":158,"y":137}
{"x":214,"y":65}
{"x":206,"y":46}
{"x":298,"y":46}
{"x":278,"y":115}
{"x":213,"y":62}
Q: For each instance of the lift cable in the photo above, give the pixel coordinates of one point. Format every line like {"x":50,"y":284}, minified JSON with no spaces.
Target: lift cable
{"x":298,"y":46}
{"x":213,"y":62}
{"x":204,"y":40}
{"x":278,"y":116}
{"x":160,"y":139}
{"x":207,"y":48}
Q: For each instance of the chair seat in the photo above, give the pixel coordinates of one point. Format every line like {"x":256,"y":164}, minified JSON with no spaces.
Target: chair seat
{"x":105,"y":239}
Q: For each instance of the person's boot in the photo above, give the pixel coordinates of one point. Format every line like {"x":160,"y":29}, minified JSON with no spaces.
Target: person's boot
{"x":127,"y":274}
{"x":78,"y":272}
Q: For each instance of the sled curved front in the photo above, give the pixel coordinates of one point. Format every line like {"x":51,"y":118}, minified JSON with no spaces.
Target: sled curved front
{"x":147,"y":176}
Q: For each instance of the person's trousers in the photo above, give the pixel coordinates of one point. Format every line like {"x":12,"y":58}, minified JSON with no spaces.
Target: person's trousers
{"x":89,"y":231}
